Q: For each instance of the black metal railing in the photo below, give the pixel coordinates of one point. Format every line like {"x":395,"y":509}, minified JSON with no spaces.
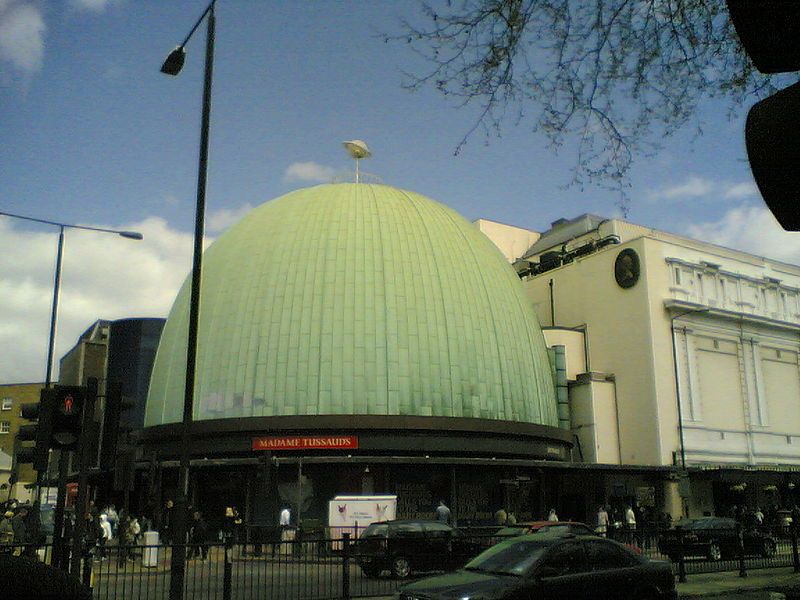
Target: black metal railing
{"x":313,"y":568}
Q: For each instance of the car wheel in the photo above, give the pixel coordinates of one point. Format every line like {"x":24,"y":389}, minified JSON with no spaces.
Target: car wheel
{"x":714,"y":552}
{"x":768,"y":550}
{"x":401,"y":567}
{"x":371,"y":571}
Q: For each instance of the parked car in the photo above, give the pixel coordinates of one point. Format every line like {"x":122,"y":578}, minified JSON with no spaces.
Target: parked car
{"x":405,"y":546}
{"x":557,"y":527}
{"x":714,"y":538}
{"x":549,"y":567}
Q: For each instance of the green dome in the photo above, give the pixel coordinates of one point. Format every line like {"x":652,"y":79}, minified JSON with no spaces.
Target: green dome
{"x":356,"y":299}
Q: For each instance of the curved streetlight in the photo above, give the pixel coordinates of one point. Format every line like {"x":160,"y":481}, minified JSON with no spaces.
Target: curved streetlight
{"x":132,"y":235}
{"x":172,"y":66}
{"x":58,"y":517}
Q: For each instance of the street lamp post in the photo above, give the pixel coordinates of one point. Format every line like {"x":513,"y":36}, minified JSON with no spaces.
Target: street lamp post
{"x":172,"y":66}
{"x":58,"y":517}
{"x":133,"y":235}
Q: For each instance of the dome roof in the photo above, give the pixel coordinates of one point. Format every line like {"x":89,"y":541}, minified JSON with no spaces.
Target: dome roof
{"x":356,"y":299}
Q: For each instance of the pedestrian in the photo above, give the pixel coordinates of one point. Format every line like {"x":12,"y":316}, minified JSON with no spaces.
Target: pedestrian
{"x":105,"y":535}
{"x":6,"y":533}
{"x":286,"y":517}
{"x":552,"y":515}
{"x":113,"y":519}
{"x":231,"y":525}
{"x":91,"y":534}
{"x":630,"y":517}
{"x":20,"y":527}
{"x":166,"y":522}
{"x":442,"y":513}
{"x":198,"y":536}
{"x":602,"y":520}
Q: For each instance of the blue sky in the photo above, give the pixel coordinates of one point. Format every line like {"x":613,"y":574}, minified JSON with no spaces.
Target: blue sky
{"x":91,"y":132}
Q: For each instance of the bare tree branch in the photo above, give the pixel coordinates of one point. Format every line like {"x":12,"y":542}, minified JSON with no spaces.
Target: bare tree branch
{"x":614,"y":76}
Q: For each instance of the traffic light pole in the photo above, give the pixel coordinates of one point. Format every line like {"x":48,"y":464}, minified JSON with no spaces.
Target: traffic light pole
{"x":58,"y":517}
{"x":85,"y":455}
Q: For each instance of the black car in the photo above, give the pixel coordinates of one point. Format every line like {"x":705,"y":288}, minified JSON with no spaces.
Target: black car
{"x":714,"y":538}
{"x":404,"y":546}
{"x":549,"y":567}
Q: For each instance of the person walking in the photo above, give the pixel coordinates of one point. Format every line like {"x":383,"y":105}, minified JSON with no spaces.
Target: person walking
{"x":6,"y":533}
{"x":105,"y":535}
{"x":443,"y":513}
{"x":602,"y":520}
{"x":20,"y":527}
{"x":198,"y":536}
{"x":630,"y":518}
{"x":166,"y":522}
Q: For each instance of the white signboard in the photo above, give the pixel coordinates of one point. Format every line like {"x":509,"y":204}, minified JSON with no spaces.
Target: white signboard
{"x":353,"y":513}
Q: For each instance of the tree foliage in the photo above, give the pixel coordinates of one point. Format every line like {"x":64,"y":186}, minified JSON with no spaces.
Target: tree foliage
{"x":614,"y":75}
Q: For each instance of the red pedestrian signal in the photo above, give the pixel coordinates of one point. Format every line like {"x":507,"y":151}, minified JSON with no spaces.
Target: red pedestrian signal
{"x":67,"y":416}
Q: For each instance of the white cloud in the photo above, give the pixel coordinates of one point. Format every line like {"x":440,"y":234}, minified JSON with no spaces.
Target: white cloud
{"x":22,"y":31}
{"x":103,"y":277}
{"x":222,"y":219}
{"x":309,"y":171}
{"x":699,"y":187}
{"x":746,"y":189}
{"x":752,"y":229}
{"x":93,"y":5}
{"x":693,"y":187}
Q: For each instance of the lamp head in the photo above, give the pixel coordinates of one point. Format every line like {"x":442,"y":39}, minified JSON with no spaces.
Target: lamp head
{"x":133,"y":235}
{"x":174,"y":62}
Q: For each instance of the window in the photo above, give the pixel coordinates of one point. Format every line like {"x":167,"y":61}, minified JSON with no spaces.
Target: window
{"x":376,"y":530}
{"x":677,"y":276}
{"x":565,"y":559}
{"x":606,"y":555}
{"x":438,"y":529}
{"x":7,"y":403}
{"x":5,"y":426}
{"x":406,"y":530}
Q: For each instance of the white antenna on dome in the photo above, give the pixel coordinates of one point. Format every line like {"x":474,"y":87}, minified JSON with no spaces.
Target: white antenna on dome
{"x":357,"y":149}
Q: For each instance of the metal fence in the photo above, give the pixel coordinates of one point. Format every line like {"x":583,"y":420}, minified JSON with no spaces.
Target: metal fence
{"x":694,"y":551}
{"x":313,"y":569}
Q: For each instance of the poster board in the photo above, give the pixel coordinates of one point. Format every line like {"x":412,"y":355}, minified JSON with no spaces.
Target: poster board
{"x":354,"y":513}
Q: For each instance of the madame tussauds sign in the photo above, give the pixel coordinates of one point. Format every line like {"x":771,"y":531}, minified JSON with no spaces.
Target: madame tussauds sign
{"x":316,"y":442}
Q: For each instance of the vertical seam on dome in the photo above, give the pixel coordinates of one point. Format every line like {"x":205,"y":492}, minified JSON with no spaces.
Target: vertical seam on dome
{"x":501,"y":371}
{"x":441,"y":299}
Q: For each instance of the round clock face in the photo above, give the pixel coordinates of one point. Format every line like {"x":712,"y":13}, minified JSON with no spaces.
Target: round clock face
{"x":627,"y":268}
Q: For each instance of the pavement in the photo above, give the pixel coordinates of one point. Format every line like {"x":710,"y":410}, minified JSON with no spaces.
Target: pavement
{"x":766,"y":584}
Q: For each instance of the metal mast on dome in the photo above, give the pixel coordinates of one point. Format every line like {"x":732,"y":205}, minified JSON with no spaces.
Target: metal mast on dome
{"x":357,"y":149}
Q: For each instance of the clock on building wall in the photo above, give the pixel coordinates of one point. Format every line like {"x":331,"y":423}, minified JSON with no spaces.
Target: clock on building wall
{"x":627,"y":268}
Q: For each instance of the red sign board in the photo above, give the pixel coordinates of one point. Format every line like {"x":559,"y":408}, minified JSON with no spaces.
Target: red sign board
{"x":316,"y":442}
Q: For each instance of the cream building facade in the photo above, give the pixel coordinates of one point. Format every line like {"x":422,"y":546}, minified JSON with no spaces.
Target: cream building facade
{"x":679,"y":353}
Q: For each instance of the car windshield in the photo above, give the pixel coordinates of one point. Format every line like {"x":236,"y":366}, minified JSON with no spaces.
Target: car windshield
{"x":376,"y":530}
{"x":513,"y":557}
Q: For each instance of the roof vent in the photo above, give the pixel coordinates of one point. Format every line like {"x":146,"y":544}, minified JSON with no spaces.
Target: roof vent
{"x":558,"y":223}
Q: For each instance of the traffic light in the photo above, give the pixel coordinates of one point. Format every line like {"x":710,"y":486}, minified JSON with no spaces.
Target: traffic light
{"x":39,"y":432}
{"x":115,"y":404}
{"x":67,"y":416}
{"x":769,"y":32}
